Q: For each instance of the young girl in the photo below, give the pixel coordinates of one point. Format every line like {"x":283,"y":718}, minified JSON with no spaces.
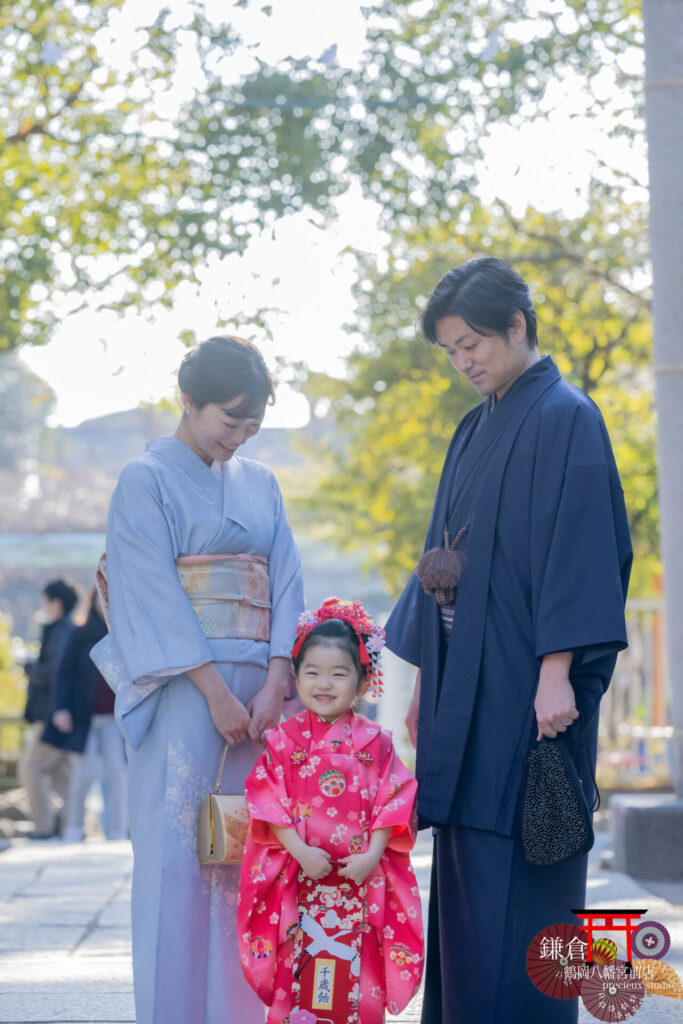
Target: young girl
{"x":329,"y":918}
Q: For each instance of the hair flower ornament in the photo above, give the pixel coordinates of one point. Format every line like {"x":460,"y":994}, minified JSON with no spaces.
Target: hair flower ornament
{"x":371,"y":638}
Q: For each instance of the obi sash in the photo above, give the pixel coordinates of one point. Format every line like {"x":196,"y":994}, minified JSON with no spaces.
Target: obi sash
{"x":229,"y":594}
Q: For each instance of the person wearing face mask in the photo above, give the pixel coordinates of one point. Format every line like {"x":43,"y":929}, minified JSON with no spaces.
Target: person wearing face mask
{"x":45,"y":771}
{"x":513,"y":618}
{"x":203,"y":591}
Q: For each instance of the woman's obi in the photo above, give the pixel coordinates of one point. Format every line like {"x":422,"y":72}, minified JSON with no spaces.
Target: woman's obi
{"x":229,"y":594}
{"x":230,"y":597}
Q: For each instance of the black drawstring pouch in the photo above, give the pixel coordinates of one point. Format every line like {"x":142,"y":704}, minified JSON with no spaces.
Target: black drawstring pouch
{"x":556,"y":818}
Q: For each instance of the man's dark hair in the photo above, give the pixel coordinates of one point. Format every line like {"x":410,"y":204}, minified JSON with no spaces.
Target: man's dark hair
{"x":485,"y":293}
{"x":62,"y":591}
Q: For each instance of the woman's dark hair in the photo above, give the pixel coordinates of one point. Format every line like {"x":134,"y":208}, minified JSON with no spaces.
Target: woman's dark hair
{"x":223,"y":368}
{"x":485,"y":293}
{"x":62,"y":591}
{"x":339,"y":634}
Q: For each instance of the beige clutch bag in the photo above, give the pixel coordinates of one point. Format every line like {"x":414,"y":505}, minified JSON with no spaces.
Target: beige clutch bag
{"x":222,"y":824}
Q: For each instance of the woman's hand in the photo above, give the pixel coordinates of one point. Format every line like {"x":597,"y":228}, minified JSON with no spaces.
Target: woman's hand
{"x":413,"y":709}
{"x":265,"y":707}
{"x":555,"y":705}
{"x":63,"y":721}
{"x":228,"y":714}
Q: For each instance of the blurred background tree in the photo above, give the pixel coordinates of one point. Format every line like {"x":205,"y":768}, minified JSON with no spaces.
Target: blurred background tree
{"x":121,"y":184}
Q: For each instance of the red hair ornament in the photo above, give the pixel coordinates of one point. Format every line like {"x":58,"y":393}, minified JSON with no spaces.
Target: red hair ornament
{"x":370,"y":637}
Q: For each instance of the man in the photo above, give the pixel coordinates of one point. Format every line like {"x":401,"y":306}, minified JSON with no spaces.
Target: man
{"x":44,"y":770}
{"x":521,"y":646}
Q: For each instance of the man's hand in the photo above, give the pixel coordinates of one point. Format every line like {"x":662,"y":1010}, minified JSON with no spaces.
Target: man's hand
{"x":413,"y":710}
{"x":555,"y":705}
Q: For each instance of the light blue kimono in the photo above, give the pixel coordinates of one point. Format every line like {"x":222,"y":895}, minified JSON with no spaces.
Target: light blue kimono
{"x":168,"y":503}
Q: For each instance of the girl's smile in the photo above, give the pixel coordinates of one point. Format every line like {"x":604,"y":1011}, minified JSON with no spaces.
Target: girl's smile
{"x":328,"y":681}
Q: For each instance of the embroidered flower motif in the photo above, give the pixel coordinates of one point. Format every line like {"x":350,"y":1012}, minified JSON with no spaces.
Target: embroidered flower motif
{"x":364,"y":757}
{"x":301,"y":811}
{"x":261,"y":948}
{"x":332,"y":783}
{"x":298,"y":756}
{"x":332,"y":812}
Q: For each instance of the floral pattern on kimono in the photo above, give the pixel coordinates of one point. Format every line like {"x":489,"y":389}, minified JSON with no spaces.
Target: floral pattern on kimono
{"x":334,"y":784}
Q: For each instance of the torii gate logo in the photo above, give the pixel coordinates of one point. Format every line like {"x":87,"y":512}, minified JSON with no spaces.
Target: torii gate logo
{"x":564,"y":961}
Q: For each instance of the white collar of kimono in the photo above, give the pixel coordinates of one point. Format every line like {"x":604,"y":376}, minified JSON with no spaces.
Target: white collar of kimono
{"x":226,"y":483}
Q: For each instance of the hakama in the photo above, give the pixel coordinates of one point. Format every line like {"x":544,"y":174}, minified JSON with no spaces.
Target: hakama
{"x":548,"y":560}
{"x":334,"y":784}
{"x":168,"y":503}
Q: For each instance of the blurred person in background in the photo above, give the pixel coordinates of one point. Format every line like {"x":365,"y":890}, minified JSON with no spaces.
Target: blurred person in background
{"x":83,"y":723}
{"x":44,"y":770}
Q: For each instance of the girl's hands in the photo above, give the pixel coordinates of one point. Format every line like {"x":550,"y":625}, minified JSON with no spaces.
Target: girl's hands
{"x":265,"y":707}
{"x":314,"y":862}
{"x":357,"y":866}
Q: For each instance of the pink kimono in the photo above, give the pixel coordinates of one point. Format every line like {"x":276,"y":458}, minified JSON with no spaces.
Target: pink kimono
{"x":334,"y":784}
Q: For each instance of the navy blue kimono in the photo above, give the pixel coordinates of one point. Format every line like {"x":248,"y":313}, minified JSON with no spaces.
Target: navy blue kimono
{"x":548,"y":560}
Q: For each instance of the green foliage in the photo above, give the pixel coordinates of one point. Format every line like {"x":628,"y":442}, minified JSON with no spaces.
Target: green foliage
{"x":115,"y":191}
{"x":12,"y":679}
{"x":398,"y":409}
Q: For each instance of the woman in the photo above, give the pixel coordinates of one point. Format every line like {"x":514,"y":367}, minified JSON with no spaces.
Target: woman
{"x":195,"y":659}
{"x":83,"y":723}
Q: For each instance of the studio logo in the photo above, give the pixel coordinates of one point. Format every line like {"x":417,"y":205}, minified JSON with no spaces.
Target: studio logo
{"x":564,"y":961}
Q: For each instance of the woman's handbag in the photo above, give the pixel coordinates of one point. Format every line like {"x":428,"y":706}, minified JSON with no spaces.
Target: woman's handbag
{"x":222,"y":824}
{"x":556,"y":819}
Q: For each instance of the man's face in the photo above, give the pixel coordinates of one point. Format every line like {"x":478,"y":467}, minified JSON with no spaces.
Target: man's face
{"x":491,"y":363}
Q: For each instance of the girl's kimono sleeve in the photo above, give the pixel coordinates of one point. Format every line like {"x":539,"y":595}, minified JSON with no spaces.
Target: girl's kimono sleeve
{"x":286,"y":583}
{"x":267,"y":913}
{"x":394,"y":804}
{"x":394,"y":905}
{"x":155,"y":634}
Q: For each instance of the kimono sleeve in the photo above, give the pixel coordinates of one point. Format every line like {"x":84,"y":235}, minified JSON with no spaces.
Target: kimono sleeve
{"x":582,"y":550}
{"x":266,"y":793}
{"x":152,"y":620}
{"x":404,"y":626}
{"x":394,"y":804}
{"x":286,"y":583}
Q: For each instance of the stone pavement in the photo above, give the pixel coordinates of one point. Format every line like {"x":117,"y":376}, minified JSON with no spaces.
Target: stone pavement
{"x":65,"y":938}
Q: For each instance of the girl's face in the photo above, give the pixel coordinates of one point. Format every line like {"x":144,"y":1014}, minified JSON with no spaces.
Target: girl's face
{"x":328,"y":681}
{"x":212,"y":432}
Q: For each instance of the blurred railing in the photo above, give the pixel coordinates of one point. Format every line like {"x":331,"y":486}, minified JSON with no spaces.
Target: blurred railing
{"x":636,"y":748}
{"x":12,"y":729}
